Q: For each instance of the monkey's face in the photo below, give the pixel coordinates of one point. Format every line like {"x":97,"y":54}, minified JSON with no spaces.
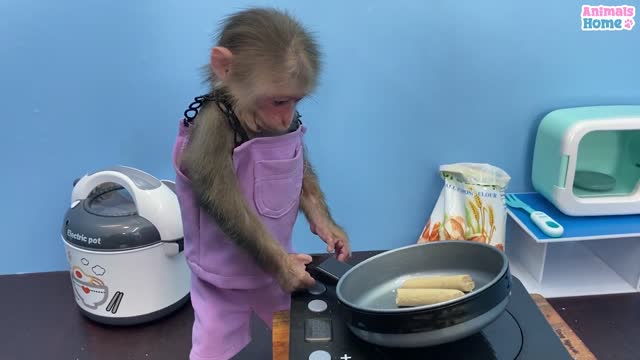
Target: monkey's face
{"x":269,"y":107}
{"x":275,"y":112}
{"x":266,"y":92}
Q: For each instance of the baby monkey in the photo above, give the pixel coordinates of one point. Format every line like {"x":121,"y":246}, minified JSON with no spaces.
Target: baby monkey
{"x":243,"y":174}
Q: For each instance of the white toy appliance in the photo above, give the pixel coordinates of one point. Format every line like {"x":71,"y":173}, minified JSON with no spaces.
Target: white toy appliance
{"x":586,"y":160}
{"x":124,"y":243}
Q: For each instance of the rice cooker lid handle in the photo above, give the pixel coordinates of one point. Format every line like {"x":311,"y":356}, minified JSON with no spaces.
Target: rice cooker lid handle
{"x":154,"y":200}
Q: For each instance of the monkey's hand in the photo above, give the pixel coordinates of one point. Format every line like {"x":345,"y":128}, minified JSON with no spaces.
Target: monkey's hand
{"x":294,"y":275}
{"x":334,"y":236}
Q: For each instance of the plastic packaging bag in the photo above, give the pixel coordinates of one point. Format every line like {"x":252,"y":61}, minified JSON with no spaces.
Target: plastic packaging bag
{"x":471,"y":205}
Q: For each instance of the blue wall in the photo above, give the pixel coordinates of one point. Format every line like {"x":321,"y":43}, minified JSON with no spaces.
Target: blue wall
{"x":409,"y":85}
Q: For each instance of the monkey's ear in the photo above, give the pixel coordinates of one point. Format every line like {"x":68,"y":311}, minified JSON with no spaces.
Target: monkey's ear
{"x":221,"y":61}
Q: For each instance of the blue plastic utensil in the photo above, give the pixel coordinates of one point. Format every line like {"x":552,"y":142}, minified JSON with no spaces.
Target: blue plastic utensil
{"x":542,"y":220}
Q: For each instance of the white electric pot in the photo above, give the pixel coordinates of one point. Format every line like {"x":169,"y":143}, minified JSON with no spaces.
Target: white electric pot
{"x":124,"y":243}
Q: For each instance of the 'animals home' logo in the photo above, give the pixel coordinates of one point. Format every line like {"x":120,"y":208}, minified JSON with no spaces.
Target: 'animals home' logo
{"x":607,"y":18}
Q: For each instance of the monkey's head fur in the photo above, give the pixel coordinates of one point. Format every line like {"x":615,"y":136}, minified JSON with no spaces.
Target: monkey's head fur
{"x":264,"y":63}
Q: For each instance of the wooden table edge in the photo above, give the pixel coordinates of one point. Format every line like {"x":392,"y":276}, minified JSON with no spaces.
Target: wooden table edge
{"x":574,"y":345}
{"x":576,"y":348}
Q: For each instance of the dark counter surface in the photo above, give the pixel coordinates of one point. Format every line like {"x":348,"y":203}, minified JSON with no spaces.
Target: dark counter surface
{"x":40,"y":320}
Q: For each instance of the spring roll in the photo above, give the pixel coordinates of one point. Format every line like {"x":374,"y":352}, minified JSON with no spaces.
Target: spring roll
{"x":462,"y":282}
{"x":419,"y":297}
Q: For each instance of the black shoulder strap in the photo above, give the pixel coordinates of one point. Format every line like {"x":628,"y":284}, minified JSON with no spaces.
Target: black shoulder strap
{"x":240,"y":134}
{"x":191,"y":113}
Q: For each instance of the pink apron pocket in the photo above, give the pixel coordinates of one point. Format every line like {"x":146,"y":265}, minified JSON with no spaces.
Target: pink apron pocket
{"x":277,"y":185}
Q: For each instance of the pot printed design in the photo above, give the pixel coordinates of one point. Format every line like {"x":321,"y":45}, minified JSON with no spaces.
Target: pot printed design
{"x":88,"y":288}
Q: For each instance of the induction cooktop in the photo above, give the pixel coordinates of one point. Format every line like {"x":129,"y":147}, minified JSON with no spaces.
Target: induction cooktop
{"x":521,"y":332}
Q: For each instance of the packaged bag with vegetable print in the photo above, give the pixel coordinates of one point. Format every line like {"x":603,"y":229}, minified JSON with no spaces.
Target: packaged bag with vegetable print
{"x":471,"y":205}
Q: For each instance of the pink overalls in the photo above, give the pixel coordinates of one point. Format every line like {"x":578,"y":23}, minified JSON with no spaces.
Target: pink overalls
{"x":227,"y":285}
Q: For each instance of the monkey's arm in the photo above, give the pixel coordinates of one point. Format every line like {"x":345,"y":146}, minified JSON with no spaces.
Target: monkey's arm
{"x":210,"y":167}
{"x":312,"y":200}
{"x":314,"y":206}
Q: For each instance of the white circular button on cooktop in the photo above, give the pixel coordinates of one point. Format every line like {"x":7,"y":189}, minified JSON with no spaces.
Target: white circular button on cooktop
{"x":320,"y":355}
{"x":317,"y":289}
{"x":317,"y":306}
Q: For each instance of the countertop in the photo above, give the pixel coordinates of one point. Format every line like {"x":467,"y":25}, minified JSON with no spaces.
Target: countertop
{"x":40,"y":320}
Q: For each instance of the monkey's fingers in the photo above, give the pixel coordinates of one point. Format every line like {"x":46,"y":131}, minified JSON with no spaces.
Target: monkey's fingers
{"x":330,"y":248}
{"x":308,"y":281}
{"x":342,"y":250}
{"x":336,"y":247}
{"x":332,"y":242}
{"x":304,"y":258}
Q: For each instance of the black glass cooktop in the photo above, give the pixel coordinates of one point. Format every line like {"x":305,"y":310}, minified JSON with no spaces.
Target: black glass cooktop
{"x":521,"y":332}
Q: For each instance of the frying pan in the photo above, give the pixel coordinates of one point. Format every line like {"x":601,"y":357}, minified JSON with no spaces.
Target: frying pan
{"x":366,"y":293}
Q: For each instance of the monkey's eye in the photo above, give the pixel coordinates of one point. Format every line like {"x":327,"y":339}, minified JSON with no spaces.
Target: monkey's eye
{"x":279,"y":102}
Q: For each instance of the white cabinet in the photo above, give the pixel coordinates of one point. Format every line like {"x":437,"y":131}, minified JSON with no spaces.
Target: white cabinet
{"x":595,"y":255}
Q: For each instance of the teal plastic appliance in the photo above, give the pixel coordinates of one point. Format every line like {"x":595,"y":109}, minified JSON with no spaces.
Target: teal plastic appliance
{"x":586,"y":160}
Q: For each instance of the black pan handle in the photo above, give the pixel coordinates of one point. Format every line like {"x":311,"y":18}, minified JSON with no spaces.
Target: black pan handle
{"x":329,"y":270}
